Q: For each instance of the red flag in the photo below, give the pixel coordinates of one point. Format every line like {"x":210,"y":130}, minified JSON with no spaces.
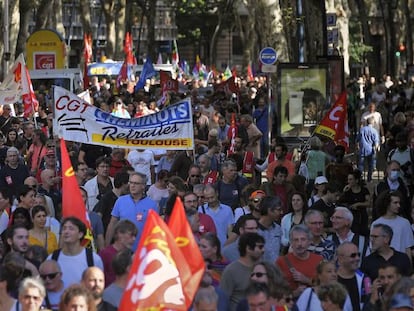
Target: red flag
{"x":87,"y":57}
{"x":128,"y":48}
{"x":167,"y":83}
{"x":335,"y":123}
{"x":159,"y":270}
{"x":184,"y":238}
{"x":249,"y":73}
{"x":229,"y":86}
{"x":30,"y":102}
{"x":232,"y":133}
{"x":72,"y":202}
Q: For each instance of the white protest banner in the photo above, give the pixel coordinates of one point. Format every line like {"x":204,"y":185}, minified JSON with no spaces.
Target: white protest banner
{"x":76,"y":120}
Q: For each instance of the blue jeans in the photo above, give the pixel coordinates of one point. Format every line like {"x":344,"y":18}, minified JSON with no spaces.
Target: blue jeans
{"x":372,"y":164}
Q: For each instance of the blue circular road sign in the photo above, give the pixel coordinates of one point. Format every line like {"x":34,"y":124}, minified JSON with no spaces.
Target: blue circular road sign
{"x":268,"y":56}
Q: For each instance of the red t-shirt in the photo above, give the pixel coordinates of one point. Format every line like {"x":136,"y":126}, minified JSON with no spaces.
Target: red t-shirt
{"x":307,"y":267}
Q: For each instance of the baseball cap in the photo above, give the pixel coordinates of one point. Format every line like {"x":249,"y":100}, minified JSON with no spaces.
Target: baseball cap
{"x":196,"y":108}
{"x":321,"y":180}
{"x":256,"y":193}
{"x":401,"y":301}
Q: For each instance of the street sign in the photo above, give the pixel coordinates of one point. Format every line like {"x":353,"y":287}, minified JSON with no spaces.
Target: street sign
{"x":269,"y":68}
{"x":268,"y":56}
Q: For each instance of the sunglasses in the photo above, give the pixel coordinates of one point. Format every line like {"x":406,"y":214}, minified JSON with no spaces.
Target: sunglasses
{"x":195,"y":176}
{"x":49,"y":276}
{"x":289,"y":299}
{"x":258,"y":274}
{"x":353,"y":255}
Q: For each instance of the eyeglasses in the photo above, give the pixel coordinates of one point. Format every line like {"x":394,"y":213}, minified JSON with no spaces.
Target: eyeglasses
{"x":316,"y":223}
{"x":376,"y":236}
{"x":353,"y":255}
{"x":49,"y":276}
{"x":190,"y":201}
{"x":258,"y":274}
{"x":136,"y":183}
{"x":337,"y":217}
{"x":32,"y":186}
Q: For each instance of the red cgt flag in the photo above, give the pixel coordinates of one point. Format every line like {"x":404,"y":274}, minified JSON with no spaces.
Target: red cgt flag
{"x":72,"y":202}
{"x":184,"y":238}
{"x":87,"y":57}
{"x":229,"y":86}
{"x":158,"y":273}
{"x":167,"y":83}
{"x":335,"y":123}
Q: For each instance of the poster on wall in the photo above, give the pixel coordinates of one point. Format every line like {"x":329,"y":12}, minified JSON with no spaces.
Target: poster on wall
{"x":303,"y":92}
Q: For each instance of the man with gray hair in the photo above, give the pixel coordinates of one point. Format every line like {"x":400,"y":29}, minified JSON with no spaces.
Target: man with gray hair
{"x":299,"y":266}
{"x":383,"y":253}
{"x":31,"y":294}
{"x":133,"y":206}
{"x":13,"y":174}
{"x":341,"y":224}
{"x":205,"y":299}
{"x":314,"y":220}
{"x":231,"y":184}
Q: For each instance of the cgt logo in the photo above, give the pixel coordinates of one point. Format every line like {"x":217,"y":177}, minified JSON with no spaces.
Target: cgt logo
{"x":45,"y":61}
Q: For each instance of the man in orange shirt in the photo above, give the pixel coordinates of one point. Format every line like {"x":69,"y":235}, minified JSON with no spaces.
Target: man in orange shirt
{"x":280,"y":152}
{"x":299,"y":266}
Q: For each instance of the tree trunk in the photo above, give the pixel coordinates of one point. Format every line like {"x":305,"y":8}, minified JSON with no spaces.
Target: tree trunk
{"x":315,"y":45}
{"x":42,"y":14}
{"x":120,"y":30}
{"x":108,"y":8}
{"x":25,"y":8}
{"x":14,"y":16}
{"x":57,"y":18}
{"x":288,"y":22}
{"x":274,"y":35}
{"x":224,"y":13}
{"x":151,"y":46}
{"x":85,"y":16}
{"x":409,"y":33}
{"x":367,"y":38}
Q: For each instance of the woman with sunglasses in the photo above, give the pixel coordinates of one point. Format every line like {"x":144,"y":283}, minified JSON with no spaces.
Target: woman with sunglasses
{"x":40,"y":234}
{"x":325,"y":275}
{"x":295,"y":216}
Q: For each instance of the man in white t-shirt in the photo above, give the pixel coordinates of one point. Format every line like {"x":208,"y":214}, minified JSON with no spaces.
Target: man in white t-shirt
{"x":388,"y":208}
{"x":143,"y":162}
{"x":73,"y":258}
{"x":377,"y":120}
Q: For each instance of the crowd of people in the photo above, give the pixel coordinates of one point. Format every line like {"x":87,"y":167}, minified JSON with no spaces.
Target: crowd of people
{"x":277,"y":230}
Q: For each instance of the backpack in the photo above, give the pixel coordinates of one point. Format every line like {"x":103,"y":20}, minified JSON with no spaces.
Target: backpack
{"x":89,"y":256}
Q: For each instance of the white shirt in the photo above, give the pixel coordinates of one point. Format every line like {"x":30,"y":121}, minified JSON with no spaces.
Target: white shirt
{"x":142,"y":161}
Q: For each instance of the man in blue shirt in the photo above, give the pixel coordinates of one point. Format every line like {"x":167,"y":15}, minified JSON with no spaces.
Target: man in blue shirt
{"x":133,"y":206}
{"x":368,"y":144}
{"x":221,"y":214}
